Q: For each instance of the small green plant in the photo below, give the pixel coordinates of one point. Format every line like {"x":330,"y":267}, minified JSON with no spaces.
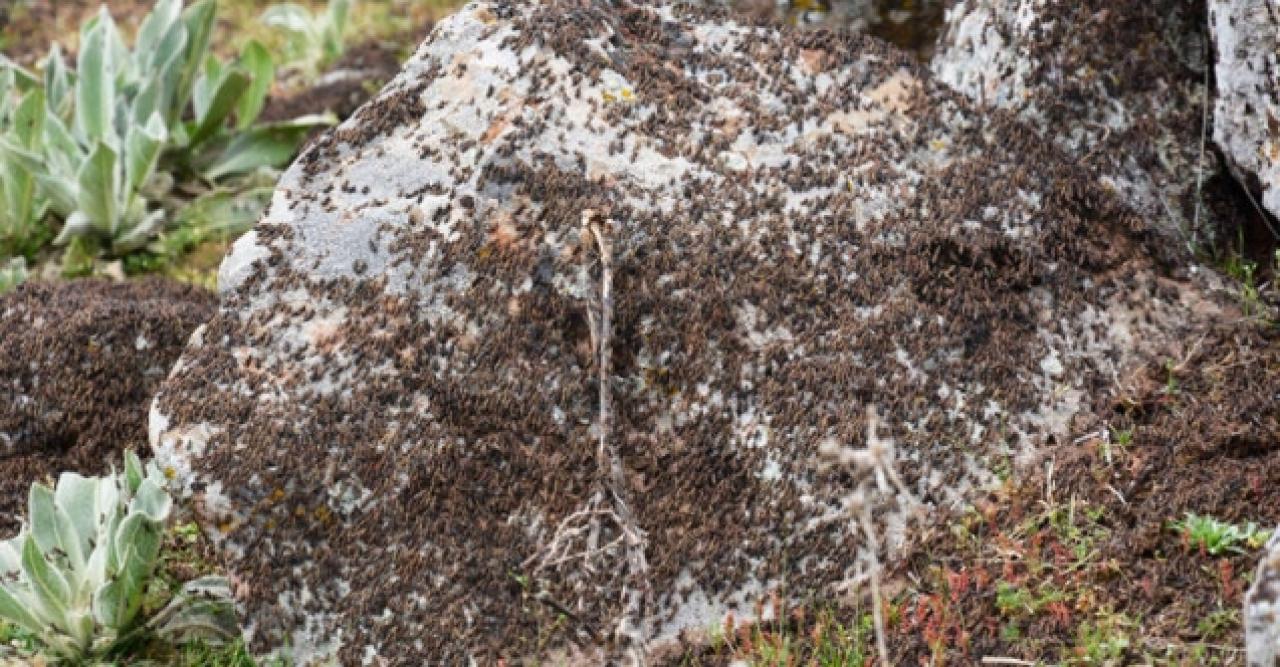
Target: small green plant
{"x":1218,"y":537}
{"x":1218,"y":623}
{"x":1014,"y":601}
{"x":1245,"y":272}
{"x":1171,"y":386}
{"x":1118,"y":442}
{"x":313,"y":41}
{"x":72,"y":583}
{"x":1104,"y":640}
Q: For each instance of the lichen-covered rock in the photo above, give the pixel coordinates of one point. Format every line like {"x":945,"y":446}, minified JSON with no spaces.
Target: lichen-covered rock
{"x":1262,"y":609}
{"x":1246,"y":119}
{"x":392,"y":426}
{"x":1119,"y":85}
{"x":79,"y":364}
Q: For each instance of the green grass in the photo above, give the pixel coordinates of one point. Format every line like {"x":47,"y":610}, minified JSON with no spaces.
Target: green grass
{"x":197,"y":654}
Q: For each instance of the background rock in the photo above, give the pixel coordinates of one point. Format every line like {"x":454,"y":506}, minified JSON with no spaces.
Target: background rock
{"x":79,"y":365}
{"x":391,"y":424}
{"x":1118,"y":85}
{"x":1262,"y":609}
{"x":1246,"y":121}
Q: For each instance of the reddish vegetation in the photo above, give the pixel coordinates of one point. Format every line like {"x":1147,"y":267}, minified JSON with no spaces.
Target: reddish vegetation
{"x":1205,"y":439}
{"x":1079,"y":554}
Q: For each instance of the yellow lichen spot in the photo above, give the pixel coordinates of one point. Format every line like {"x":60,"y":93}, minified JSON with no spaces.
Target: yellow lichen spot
{"x":277,"y":495}
{"x":170,"y":473}
{"x":937,"y":144}
{"x":226,"y":527}
{"x":623,"y":94}
{"x":323,"y":515}
{"x":299,"y":511}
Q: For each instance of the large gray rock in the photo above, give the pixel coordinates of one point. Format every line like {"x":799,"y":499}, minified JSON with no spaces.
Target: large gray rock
{"x":1262,"y":609}
{"x":391,"y":427}
{"x":1118,"y":85}
{"x":1246,"y":120}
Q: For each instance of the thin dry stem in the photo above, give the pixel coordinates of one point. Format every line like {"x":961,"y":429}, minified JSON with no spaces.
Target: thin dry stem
{"x":633,"y":625}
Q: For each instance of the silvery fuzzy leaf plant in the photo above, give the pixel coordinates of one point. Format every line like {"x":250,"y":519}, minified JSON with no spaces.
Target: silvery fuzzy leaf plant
{"x":75,"y":576}
{"x":22,"y":206}
{"x":313,"y":40}
{"x":167,"y":105}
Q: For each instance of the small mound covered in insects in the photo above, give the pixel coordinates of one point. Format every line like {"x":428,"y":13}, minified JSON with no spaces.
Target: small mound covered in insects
{"x":1134,"y":543}
{"x":79,"y":365}
{"x":536,"y":354}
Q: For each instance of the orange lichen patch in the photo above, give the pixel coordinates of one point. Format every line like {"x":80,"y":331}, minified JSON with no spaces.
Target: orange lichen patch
{"x":814,"y":60}
{"x":890,"y":99}
{"x":503,"y":233}
{"x":501,"y":123}
{"x":324,"y":334}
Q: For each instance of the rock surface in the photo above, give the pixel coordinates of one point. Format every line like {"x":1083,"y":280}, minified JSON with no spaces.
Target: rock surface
{"x":1246,"y":120}
{"x":392,"y":425}
{"x":1119,"y":85}
{"x":1262,"y":609}
{"x":79,"y":364}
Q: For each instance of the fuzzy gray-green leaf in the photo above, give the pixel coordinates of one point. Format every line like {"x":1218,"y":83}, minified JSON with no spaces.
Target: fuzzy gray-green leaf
{"x":263,"y":146}
{"x":54,"y":532}
{"x":133,"y":473}
{"x":228,"y":90}
{"x":199,"y":22}
{"x":57,"y":81}
{"x":78,"y":497}
{"x":257,"y":62}
{"x":95,"y":88}
{"x":142,"y":150}
{"x":99,"y":182}
{"x":16,"y":610}
{"x":49,"y":588}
